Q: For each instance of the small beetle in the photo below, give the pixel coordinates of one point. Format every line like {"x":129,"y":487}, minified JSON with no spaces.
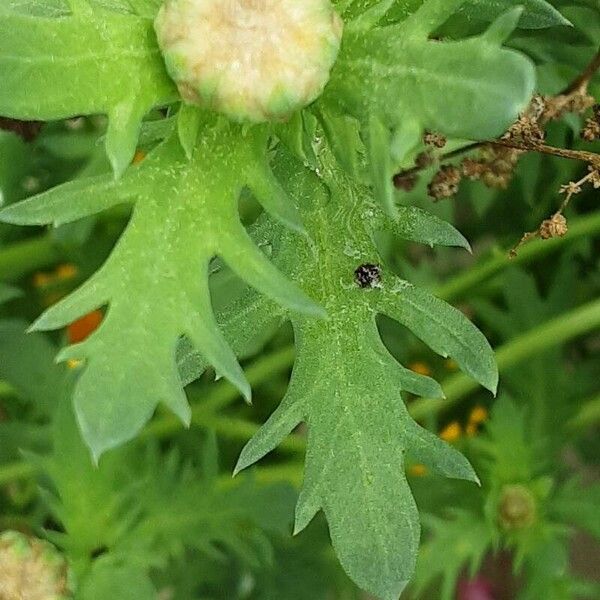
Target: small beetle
{"x":368,"y":275}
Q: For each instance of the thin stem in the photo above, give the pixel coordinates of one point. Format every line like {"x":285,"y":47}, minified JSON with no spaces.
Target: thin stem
{"x":221,"y":395}
{"x":552,"y":333}
{"x":459,"y":285}
{"x":25,"y":256}
{"x":588,"y":415}
{"x":289,"y":473}
{"x":579,"y":84}
{"x":581,"y":155}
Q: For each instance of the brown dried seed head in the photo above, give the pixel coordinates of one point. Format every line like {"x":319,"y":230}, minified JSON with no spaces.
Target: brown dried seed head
{"x":555,"y":226}
{"x":406,"y":181}
{"x":437,"y":140}
{"x":581,"y":102}
{"x":591,"y":130}
{"x":424,"y":159}
{"x":445,"y":183}
{"x":594,"y":177}
{"x":571,"y":188}
{"x":473,"y":169}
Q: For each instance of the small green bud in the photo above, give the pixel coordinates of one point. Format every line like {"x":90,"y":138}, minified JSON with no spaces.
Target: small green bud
{"x":252,"y":60}
{"x":31,"y":569}
{"x":517,"y":507}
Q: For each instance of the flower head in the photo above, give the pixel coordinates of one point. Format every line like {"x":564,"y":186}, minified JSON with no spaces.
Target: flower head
{"x":31,"y":569}
{"x":252,"y":60}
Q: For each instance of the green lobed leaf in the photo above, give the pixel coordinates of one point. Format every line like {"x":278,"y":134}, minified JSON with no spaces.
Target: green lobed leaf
{"x":93,"y":61}
{"x":38,"y":8}
{"x":537,"y":14}
{"x":347,"y":387}
{"x":155,"y":283}
{"x":248,"y":321}
{"x":396,"y":73}
{"x":417,"y":225}
{"x":397,"y":82}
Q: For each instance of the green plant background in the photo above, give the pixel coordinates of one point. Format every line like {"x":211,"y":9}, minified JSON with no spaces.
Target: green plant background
{"x":292,"y":210}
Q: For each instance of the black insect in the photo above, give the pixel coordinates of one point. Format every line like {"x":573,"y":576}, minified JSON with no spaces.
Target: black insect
{"x":368,"y":275}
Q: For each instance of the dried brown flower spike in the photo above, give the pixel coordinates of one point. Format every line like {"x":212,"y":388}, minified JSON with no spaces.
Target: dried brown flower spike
{"x":445,"y":182}
{"x":555,"y":226}
{"x":591,"y":130}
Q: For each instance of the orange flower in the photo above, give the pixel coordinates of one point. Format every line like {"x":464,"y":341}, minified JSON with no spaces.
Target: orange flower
{"x":138,"y":157}
{"x":82,"y":328}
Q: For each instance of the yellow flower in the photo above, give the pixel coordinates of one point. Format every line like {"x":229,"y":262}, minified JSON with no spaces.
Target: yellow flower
{"x":478,"y":415}
{"x":417,"y":470}
{"x":419,"y":367}
{"x":66,"y":271}
{"x":451,"y":432}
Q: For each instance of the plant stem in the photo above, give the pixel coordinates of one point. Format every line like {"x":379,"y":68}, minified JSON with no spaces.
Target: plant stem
{"x":221,"y":395}
{"x":582,"y":155}
{"x":552,"y":333}
{"x":588,"y":415}
{"x":288,"y":473}
{"x":25,"y":256}
{"x":457,"y":287}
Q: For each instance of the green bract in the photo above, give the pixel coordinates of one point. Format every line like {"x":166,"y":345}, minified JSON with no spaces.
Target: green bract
{"x":252,"y":60}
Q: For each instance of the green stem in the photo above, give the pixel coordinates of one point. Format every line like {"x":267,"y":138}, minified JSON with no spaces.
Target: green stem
{"x":456,"y":287}
{"x":588,"y":415}
{"x":552,"y":333}
{"x":288,"y":473}
{"x":221,"y":395}
{"x":25,"y":256}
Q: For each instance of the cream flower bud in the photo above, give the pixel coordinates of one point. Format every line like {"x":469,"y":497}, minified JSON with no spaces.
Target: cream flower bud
{"x":31,"y":569}
{"x":252,"y":60}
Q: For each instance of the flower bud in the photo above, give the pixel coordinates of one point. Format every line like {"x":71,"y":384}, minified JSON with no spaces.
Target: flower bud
{"x":31,"y":569}
{"x":252,"y":60}
{"x":517,"y":508}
